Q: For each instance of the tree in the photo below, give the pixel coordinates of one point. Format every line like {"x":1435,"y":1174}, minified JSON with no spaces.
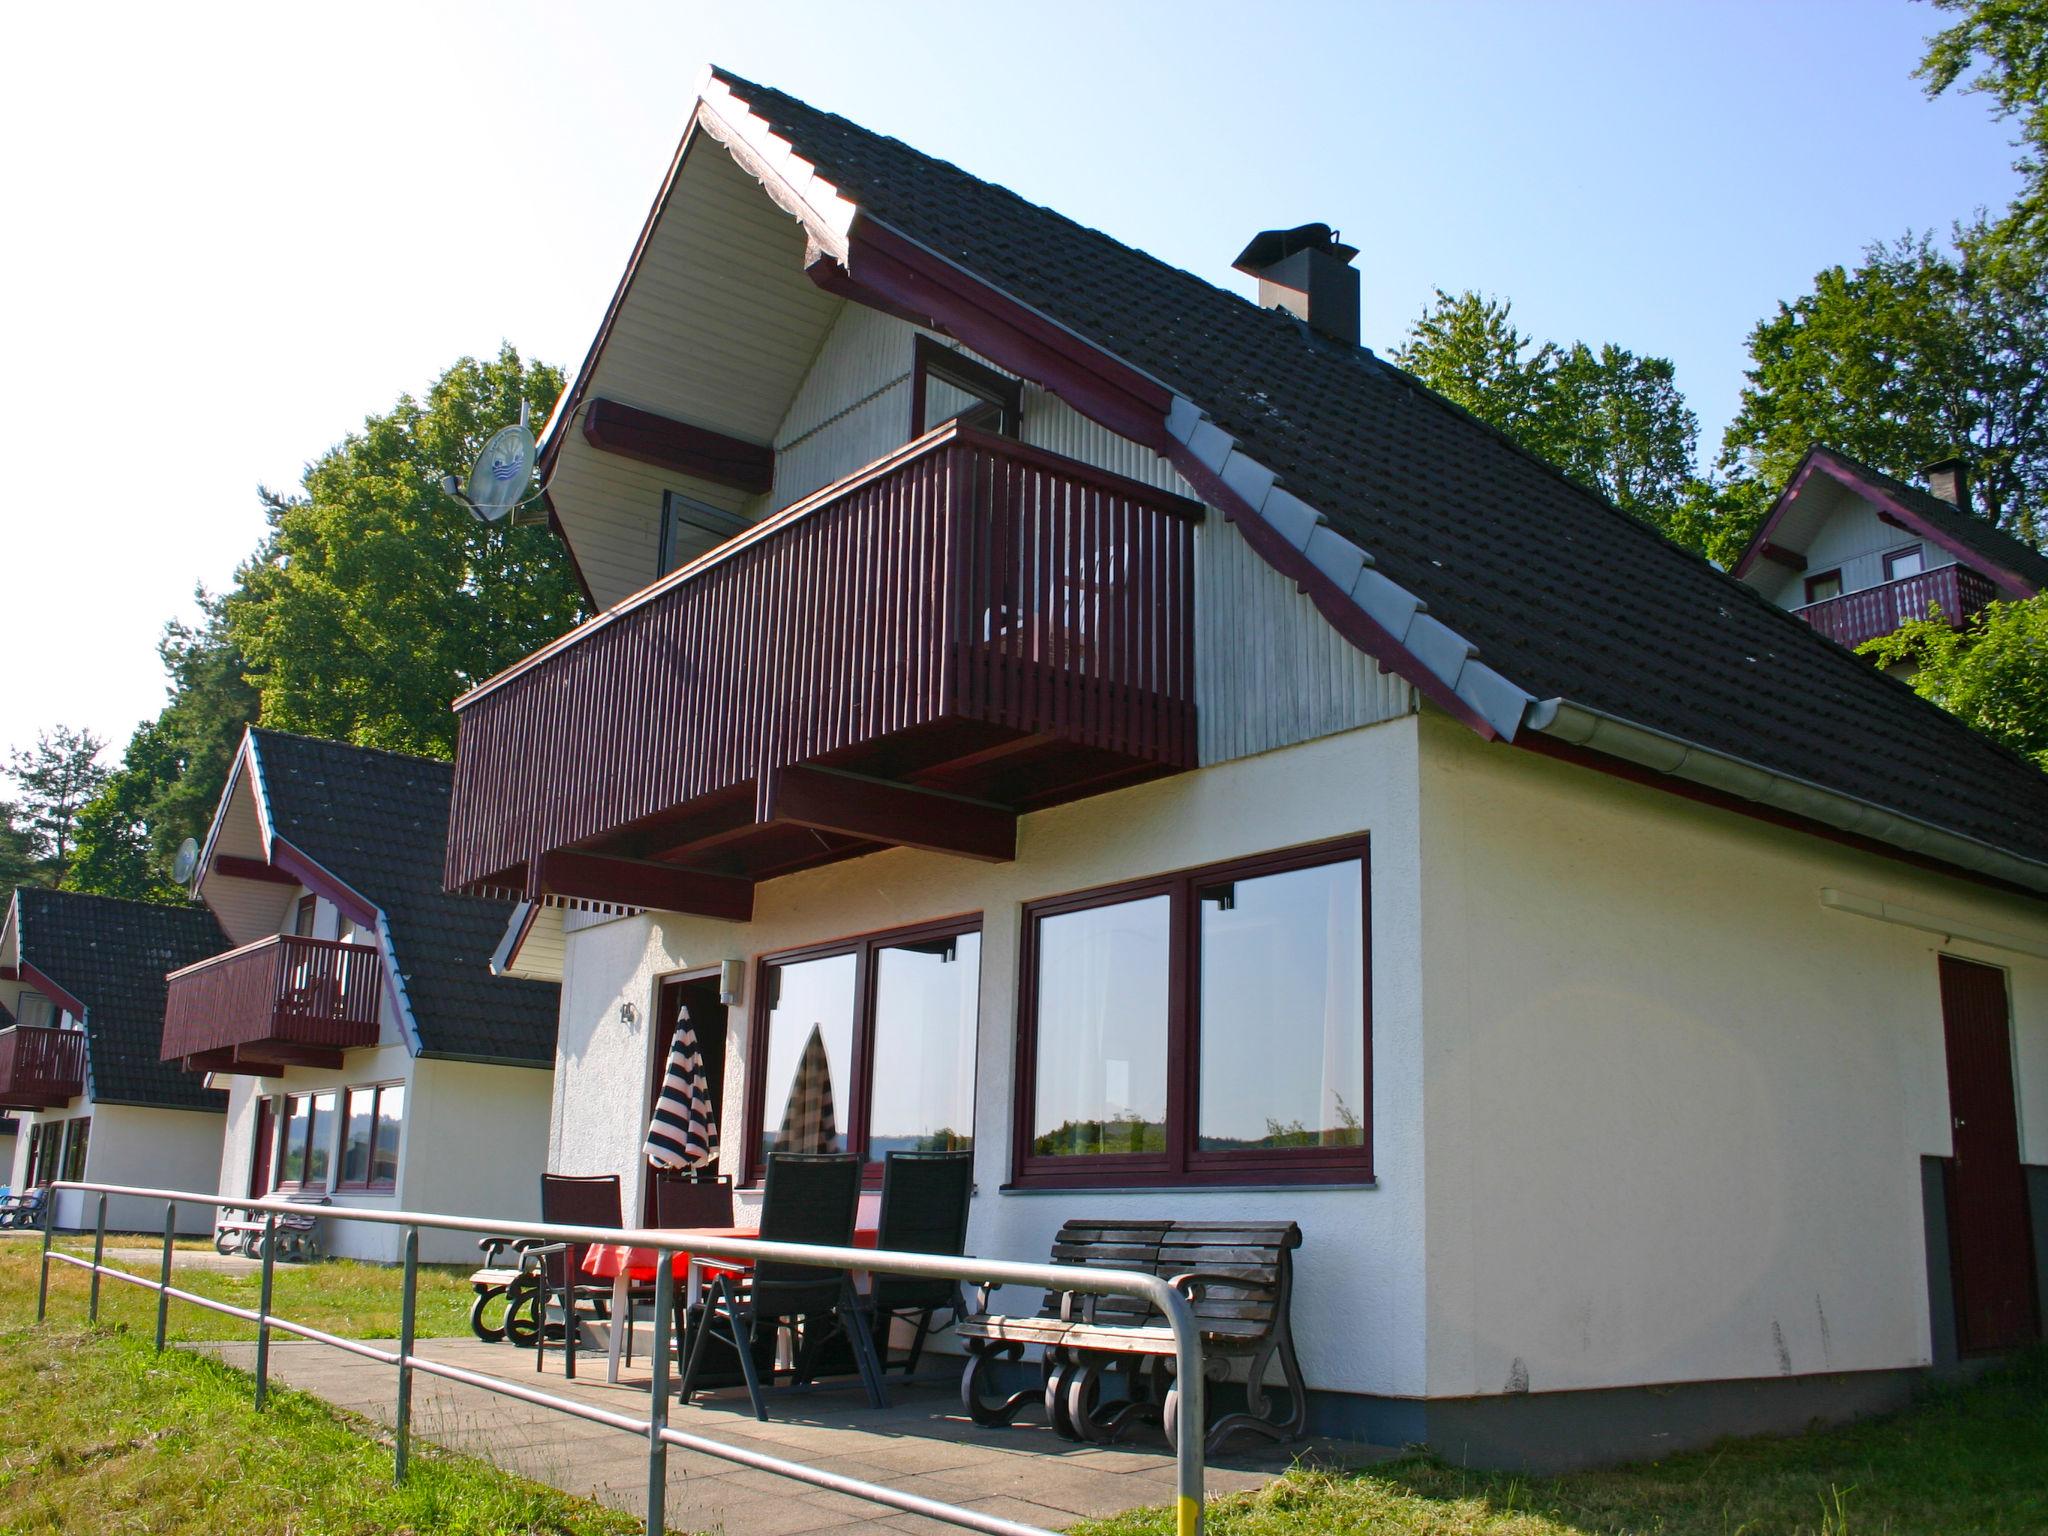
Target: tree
{"x":1918,"y":353}
{"x":18,"y":862}
{"x":174,"y":768}
{"x":376,"y":599}
{"x":1613,"y":421}
{"x":56,"y":777}
{"x":1992,"y":674}
{"x":2009,"y":40}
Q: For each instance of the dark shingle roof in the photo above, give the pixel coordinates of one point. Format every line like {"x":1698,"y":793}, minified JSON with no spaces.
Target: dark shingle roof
{"x":1993,"y":546}
{"x":112,"y":956}
{"x":378,"y":822}
{"x":1564,"y":595}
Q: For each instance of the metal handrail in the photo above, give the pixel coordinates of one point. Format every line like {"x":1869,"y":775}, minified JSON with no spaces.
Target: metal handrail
{"x":1165,"y":1298}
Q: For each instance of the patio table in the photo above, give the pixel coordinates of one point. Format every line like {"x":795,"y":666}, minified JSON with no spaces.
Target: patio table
{"x":626,"y":1266}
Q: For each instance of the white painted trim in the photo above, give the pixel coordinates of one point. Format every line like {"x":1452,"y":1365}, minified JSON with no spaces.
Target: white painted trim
{"x":406,"y":1022}
{"x":1929,"y":922}
{"x":816,"y":202}
{"x":508,"y":945}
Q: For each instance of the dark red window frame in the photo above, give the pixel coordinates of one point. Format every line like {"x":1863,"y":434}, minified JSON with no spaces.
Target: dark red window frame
{"x":859,"y":1098}
{"x":1002,"y":395}
{"x":284,"y":1127}
{"x":1817,"y":578}
{"x":371,"y":1182}
{"x":1183,"y":1162}
{"x":1892,"y":555}
{"x":303,"y":919}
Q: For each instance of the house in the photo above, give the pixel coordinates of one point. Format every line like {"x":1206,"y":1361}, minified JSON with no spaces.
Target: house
{"x":369,"y":1055}
{"x":82,"y":979}
{"x":1857,"y":553}
{"x":1145,"y":737}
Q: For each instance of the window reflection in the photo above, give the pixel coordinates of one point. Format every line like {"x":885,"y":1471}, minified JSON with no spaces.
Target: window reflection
{"x":1101,"y":1041}
{"x":809,"y":1056}
{"x":926,"y":1003}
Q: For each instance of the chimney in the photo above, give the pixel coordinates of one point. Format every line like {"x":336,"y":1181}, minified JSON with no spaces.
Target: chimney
{"x":1307,"y":271}
{"x":1949,"y":480}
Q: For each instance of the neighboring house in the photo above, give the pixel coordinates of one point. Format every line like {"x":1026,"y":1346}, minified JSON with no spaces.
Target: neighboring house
{"x":1151,"y":740}
{"x":369,"y":1054}
{"x":1856,"y":553}
{"x":83,"y":978}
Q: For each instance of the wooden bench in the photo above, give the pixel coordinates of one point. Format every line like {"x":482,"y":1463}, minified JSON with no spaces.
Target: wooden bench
{"x":244,"y":1233}
{"x":1239,"y":1279}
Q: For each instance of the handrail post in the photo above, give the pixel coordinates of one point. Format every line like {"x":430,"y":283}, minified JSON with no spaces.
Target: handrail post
{"x":99,"y":1254}
{"x":1188,"y":1450}
{"x":407,"y":1314}
{"x":657,"y":1393}
{"x":43,"y":1283}
{"x":163,"y":1285}
{"x":263,"y":1310}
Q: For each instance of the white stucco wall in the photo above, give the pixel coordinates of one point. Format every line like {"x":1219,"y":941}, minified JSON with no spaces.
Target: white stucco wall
{"x":1359,"y":1305}
{"x":160,"y":1148}
{"x":473,"y":1143}
{"x":1675,"y":1107}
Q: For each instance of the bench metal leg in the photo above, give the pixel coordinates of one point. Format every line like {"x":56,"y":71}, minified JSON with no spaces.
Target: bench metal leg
{"x":990,"y":1411}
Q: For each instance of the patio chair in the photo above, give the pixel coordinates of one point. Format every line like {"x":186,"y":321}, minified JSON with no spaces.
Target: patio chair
{"x":573,"y":1200}
{"x":924,"y":1210}
{"x":809,"y":1198}
{"x":682,"y":1201}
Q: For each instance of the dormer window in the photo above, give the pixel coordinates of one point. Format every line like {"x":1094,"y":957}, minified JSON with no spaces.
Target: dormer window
{"x":947,"y":387}
{"x":1901,"y":563}
{"x":1824,"y":585}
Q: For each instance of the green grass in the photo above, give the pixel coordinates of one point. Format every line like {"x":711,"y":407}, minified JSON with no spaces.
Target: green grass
{"x":100,"y":1433}
{"x":1963,"y":1460}
{"x":357,"y":1301}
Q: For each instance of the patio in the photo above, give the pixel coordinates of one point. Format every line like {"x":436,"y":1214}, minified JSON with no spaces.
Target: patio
{"x":923,"y":1444}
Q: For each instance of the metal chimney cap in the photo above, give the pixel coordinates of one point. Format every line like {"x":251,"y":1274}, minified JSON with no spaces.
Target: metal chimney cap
{"x":1269,"y":247}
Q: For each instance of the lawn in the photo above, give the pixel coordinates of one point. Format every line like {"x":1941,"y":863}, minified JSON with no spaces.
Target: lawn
{"x":1964,"y":1460}
{"x":100,"y":1433}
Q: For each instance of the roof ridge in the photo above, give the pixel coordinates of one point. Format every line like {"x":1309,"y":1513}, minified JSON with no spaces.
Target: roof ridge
{"x":348,"y":746}
{"x":133,"y":902}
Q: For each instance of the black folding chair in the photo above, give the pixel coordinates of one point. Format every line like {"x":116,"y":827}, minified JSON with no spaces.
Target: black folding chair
{"x":924,"y":1210}
{"x":809,"y":1198}
{"x":574,"y":1200}
{"x":682,"y":1200}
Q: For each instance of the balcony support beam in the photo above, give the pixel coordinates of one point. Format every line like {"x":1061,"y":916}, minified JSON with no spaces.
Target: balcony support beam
{"x":1778,"y":554}
{"x":670,"y":444}
{"x":233,"y":866}
{"x":281,"y":1053}
{"x":877,"y":810}
{"x":634,"y":883}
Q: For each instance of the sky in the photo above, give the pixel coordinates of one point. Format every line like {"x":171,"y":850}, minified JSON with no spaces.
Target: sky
{"x":232,"y":233}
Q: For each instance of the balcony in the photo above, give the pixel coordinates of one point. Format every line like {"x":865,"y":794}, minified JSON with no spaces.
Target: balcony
{"x":1855,"y":617}
{"x":965,"y":630}
{"x":280,"y":1002}
{"x":41,"y":1068}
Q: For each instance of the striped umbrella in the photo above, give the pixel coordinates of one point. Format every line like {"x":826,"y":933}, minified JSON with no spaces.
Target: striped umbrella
{"x":684,"y":1132}
{"x":809,"y":1123}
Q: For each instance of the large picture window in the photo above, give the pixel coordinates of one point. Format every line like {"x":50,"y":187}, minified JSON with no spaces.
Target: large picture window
{"x":308,"y":1140}
{"x":867,"y":1046}
{"x":76,"y":1134}
{"x":371,"y":1125}
{"x":1206,"y":1026}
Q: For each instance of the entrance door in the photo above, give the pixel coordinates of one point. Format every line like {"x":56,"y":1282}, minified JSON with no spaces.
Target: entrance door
{"x":1991,"y":1240}
{"x":266,"y":1149}
{"x":699,"y":997}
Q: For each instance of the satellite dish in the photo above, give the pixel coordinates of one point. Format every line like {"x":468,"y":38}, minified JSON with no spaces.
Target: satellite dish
{"x":503,"y":471}
{"x":185,"y":861}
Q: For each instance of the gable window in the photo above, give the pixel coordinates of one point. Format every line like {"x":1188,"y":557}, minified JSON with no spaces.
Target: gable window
{"x":370,"y":1129}
{"x":1901,"y":563}
{"x":35,"y":1011}
{"x":946,"y":386}
{"x":1821,"y":587}
{"x":1206,"y":1026}
{"x":302,"y":920}
{"x":867,"y":1046}
{"x":689,"y":527}
{"x":308,"y":1140}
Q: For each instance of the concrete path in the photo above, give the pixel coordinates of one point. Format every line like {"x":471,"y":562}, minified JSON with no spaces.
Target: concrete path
{"x":923,"y":1443}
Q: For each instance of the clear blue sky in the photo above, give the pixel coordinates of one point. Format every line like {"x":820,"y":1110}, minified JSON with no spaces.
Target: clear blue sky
{"x":234,"y":233}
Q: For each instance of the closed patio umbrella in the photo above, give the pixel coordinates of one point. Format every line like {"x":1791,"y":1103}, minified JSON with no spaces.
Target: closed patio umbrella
{"x":684,"y":1131}
{"x":809,"y":1123}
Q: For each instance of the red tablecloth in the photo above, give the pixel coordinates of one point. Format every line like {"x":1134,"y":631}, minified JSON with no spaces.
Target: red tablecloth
{"x":604,"y":1260}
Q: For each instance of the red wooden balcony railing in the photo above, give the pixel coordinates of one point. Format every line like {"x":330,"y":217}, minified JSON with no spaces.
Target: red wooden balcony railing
{"x":1855,"y":617}
{"x":969,"y":619}
{"x":41,"y":1068}
{"x":282,"y":1001}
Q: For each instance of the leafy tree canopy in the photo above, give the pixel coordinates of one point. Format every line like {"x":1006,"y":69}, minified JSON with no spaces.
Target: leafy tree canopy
{"x":18,"y":862}
{"x":2002,"y":46}
{"x":174,"y":769}
{"x":376,"y":599}
{"x":54,"y":779}
{"x":1610,"y":419}
{"x":1918,"y":353}
{"x":1989,"y":674}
